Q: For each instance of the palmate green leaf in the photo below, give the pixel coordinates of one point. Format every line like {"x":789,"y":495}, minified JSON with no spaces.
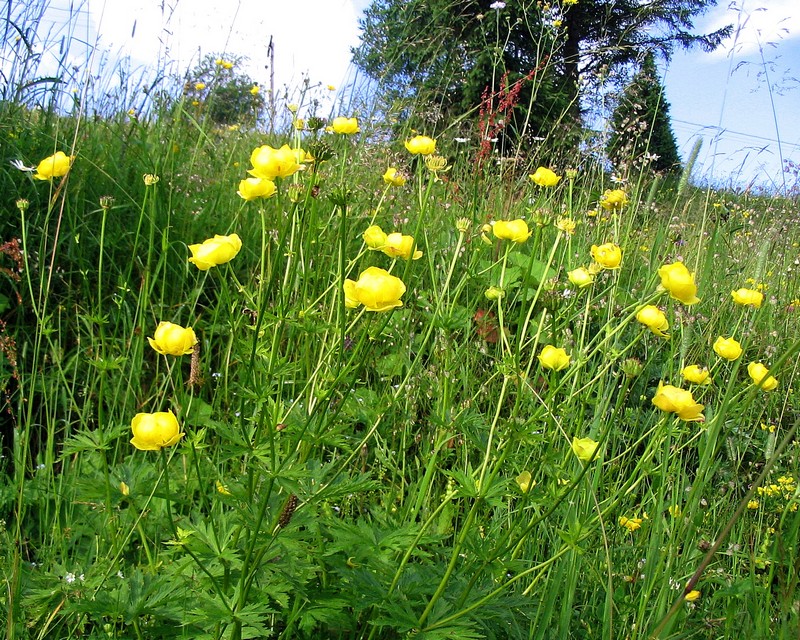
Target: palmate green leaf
{"x":95,"y":440}
{"x":326,"y":613}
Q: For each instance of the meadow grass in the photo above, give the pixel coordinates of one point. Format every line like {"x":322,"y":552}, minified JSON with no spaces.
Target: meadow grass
{"x":418,"y":471}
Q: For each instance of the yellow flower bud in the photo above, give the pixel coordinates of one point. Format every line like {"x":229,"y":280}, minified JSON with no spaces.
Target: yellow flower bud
{"x":584,"y":448}
{"x":421,"y":145}
{"x":153,"y":431}
{"x":554,"y":358}
{"x":172,"y":339}
{"x":727,"y":348}
{"x":514,"y":230}
{"x":545,"y":177}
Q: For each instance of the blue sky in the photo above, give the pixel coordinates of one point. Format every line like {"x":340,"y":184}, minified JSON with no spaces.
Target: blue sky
{"x":723,"y":97}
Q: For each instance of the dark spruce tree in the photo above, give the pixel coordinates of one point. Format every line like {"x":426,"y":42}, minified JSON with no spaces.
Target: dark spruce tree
{"x":641,"y":133}
{"x":449,"y":53}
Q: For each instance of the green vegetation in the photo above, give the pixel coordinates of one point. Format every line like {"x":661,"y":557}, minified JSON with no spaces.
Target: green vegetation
{"x":468,"y":398}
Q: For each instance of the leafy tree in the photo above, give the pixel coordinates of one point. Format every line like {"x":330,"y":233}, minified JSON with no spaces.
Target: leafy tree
{"x":226,"y":95}
{"x":641,"y":130}
{"x":455,"y":54}
{"x":448,"y":52}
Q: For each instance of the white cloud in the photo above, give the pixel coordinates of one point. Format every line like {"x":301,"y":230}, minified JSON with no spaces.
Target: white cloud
{"x":756,"y":23}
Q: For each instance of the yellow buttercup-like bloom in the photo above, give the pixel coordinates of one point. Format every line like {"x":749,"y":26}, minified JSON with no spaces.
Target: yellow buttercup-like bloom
{"x":215,"y":251}
{"x":554,"y":358}
{"x":748,"y":297}
{"x":677,"y":280}
{"x":631,"y":524}
{"x":252,"y":188}
{"x":580,"y":277}
{"x":613,"y":199}
{"x":584,"y":448}
{"x":54,"y":166}
{"x":172,"y":339}
{"x":272,"y":163}
{"x":545,"y":177}
{"x":393,"y":177}
{"x":654,"y":319}
{"x":153,"y":431}
{"x":374,"y":237}
{"x":346,"y":126}
{"x":400,"y":246}
{"x":376,"y":289}
{"x":696,"y":374}
{"x":727,"y":348}
{"x":608,"y":255}
{"x":421,"y":145}
{"x":514,"y":230}
{"x":678,"y":401}
{"x":759,"y":374}
{"x":524,"y":481}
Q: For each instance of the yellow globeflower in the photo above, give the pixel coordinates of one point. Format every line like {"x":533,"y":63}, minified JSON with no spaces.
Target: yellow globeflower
{"x":544,"y":177}
{"x":374,"y":237}
{"x":215,"y":251}
{"x":654,"y":319}
{"x":524,"y":481}
{"x":272,"y":163}
{"x":53,"y":166}
{"x":252,"y":188}
{"x":153,"y":431}
{"x":393,"y":177}
{"x":608,"y":255}
{"x":759,"y":374}
{"x":613,"y":199}
{"x":514,"y":230}
{"x":173,"y":340}
{"x":376,"y":289}
{"x":346,"y":126}
{"x":677,"y":280}
{"x":696,"y":374}
{"x":421,"y":145}
{"x":554,"y":358}
{"x":727,"y":348}
{"x":748,"y":297}
{"x":399,"y":246}
{"x":678,"y":401}
{"x":580,"y":277}
{"x":584,"y":448}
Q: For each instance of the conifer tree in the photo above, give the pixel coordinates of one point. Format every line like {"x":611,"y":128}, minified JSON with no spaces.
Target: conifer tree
{"x":641,"y":129}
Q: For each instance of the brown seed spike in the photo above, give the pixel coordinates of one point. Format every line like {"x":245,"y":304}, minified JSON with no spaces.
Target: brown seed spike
{"x":288,"y":511}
